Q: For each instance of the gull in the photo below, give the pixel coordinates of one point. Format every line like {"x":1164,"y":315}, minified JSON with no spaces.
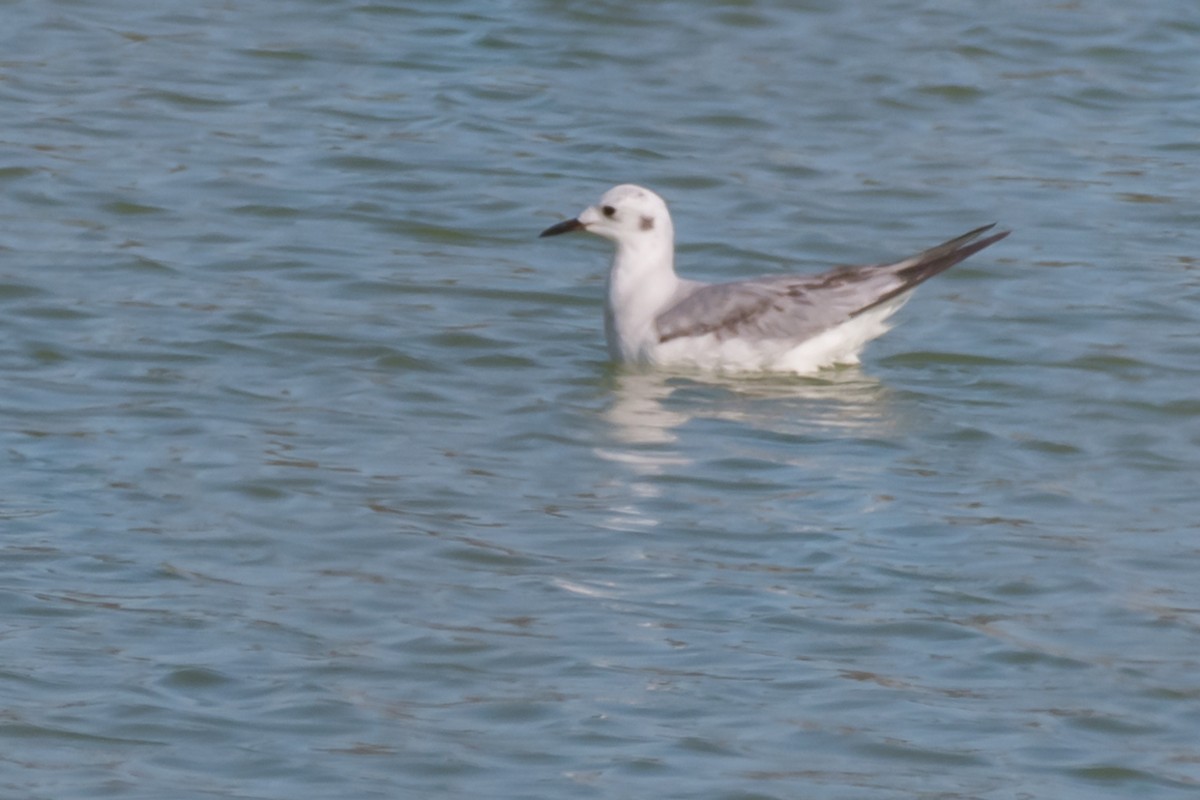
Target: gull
{"x":776,"y":323}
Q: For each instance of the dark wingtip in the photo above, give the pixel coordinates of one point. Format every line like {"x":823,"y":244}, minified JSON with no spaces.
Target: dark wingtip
{"x":942,"y":257}
{"x":937,"y":260}
{"x":998,"y":235}
{"x":995,"y":237}
{"x":959,"y":242}
{"x":566,"y":226}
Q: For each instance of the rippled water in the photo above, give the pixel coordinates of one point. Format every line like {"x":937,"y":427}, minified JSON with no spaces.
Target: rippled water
{"x":317,"y":483}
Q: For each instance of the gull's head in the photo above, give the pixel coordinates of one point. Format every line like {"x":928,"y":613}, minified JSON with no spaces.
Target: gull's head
{"x":626,"y":214}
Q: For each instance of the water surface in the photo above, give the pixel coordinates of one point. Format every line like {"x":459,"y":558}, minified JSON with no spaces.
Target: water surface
{"x":318,"y":485}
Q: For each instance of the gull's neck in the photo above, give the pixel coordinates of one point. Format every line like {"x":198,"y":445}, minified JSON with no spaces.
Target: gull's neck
{"x":641,"y":284}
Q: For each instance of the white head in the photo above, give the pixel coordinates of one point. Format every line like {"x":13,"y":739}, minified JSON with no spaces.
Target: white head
{"x":629,"y":215}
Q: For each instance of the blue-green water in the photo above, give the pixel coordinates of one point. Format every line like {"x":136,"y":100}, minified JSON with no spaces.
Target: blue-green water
{"x":316,"y":483}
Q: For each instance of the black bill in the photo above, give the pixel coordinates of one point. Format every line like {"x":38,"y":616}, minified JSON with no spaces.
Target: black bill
{"x":566,"y":226}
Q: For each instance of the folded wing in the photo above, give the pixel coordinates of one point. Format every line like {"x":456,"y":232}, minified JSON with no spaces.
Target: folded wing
{"x":797,"y":307}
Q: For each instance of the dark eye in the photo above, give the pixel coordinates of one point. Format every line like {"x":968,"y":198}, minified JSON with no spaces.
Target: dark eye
{"x":609,"y":211}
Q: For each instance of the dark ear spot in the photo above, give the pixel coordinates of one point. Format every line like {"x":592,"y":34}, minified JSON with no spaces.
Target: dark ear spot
{"x":647,"y":223}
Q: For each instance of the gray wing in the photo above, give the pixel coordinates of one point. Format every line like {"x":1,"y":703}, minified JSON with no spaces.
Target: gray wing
{"x":797,"y":307}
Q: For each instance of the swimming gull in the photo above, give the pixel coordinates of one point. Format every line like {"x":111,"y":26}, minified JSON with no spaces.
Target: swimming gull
{"x":787,"y":323}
